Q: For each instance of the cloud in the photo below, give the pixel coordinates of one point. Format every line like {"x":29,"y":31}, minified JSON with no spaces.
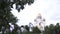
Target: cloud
{"x":50,"y":10}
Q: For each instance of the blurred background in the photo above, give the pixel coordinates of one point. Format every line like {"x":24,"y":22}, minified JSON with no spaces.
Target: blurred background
{"x":29,"y":16}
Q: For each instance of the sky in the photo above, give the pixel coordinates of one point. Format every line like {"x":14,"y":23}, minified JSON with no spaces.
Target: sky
{"x":49,"y":9}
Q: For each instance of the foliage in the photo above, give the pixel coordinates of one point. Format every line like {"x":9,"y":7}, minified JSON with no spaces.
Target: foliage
{"x":26,"y":27}
{"x":36,"y":30}
{"x":6,"y":16}
{"x":51,"y":29}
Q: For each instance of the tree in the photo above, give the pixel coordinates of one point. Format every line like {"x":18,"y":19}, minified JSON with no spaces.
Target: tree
{"x":52,"y":29}
{"x":57,"y":28}
{"x":26,"y":27}
{"x":16,"y":27}
{"x":6,"y":16}
{"x":36,"y":30}
{"x":46,"y":30}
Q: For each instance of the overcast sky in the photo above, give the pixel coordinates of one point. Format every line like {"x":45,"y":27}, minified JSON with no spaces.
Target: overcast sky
{"x":49,"y":9}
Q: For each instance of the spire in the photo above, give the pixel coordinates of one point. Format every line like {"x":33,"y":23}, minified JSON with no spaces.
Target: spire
{"x":39,"y":16}
{"x":39,"y":22}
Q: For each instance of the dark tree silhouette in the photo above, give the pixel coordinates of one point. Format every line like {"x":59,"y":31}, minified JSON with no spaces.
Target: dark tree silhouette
{"x":36,"y":30}
{"x":26,"y":27}
{"x":6,"y":16}
{"x":52,"y":29}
